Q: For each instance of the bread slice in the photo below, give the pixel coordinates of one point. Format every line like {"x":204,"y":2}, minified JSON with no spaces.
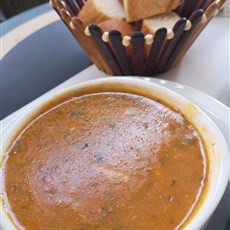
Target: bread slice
{"x":141,"y":9}
{"x":117,"y":24}
{"x":166,"y":20}
{"x":96,"y":11}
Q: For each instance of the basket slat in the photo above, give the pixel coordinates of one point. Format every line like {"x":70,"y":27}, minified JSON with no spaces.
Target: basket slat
{"x":194,"y":19}
{"x":199,"y":4}
{"x":115,"y":38}
{"x":154,"y":52}
{"x":95,"y":53}
{"x":206,"y":4}
{"x":186,"y":8}
{"x":171,"y":45}
{"x":195,"y":33}
{"x":96,"y":33}
{"x":80,"y":3}
{"x":73,"y":6}
{"x":138,"y":53}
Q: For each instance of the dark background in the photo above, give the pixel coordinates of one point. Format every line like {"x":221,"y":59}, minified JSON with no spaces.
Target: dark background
{"x":10,"y":8}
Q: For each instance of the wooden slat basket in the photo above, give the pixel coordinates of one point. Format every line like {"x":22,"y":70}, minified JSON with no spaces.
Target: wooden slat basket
{"x":146,"y":55}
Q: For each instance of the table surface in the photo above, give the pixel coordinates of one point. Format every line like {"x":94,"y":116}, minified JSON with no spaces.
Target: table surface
{"x":39,"y":53}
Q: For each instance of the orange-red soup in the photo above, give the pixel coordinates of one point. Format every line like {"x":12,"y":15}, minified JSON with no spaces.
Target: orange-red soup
{"x":104,"y":161}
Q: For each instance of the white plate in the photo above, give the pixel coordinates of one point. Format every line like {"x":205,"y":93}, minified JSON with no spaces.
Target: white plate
{"x":218,"y":112}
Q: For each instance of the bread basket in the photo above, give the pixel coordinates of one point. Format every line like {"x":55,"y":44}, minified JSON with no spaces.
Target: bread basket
{"x":108,"y":50}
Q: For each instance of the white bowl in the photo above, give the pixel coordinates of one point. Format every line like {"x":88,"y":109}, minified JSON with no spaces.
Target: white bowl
{"x":218,"y":156}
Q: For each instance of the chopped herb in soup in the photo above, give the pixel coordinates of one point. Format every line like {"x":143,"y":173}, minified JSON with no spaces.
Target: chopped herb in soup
{"x":104,"y":161}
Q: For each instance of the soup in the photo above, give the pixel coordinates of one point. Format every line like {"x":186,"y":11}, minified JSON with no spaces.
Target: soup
{"x":105,"y":161}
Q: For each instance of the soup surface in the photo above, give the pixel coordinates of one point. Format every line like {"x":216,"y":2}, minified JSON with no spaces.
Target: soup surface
{"x":104,"y":161}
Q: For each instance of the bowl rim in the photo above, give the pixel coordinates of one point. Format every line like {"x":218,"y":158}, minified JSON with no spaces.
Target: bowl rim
{"x":206,"y":209}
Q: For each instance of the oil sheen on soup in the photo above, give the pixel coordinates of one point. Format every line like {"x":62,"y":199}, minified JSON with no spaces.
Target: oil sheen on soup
{"x":104,"y":161}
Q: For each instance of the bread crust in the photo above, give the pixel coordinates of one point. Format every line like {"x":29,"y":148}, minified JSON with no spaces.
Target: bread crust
{"x":166,"y":20}
{"x":136,"y":9}
{"x":91,"y":12}
{"x":117,"y":24}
